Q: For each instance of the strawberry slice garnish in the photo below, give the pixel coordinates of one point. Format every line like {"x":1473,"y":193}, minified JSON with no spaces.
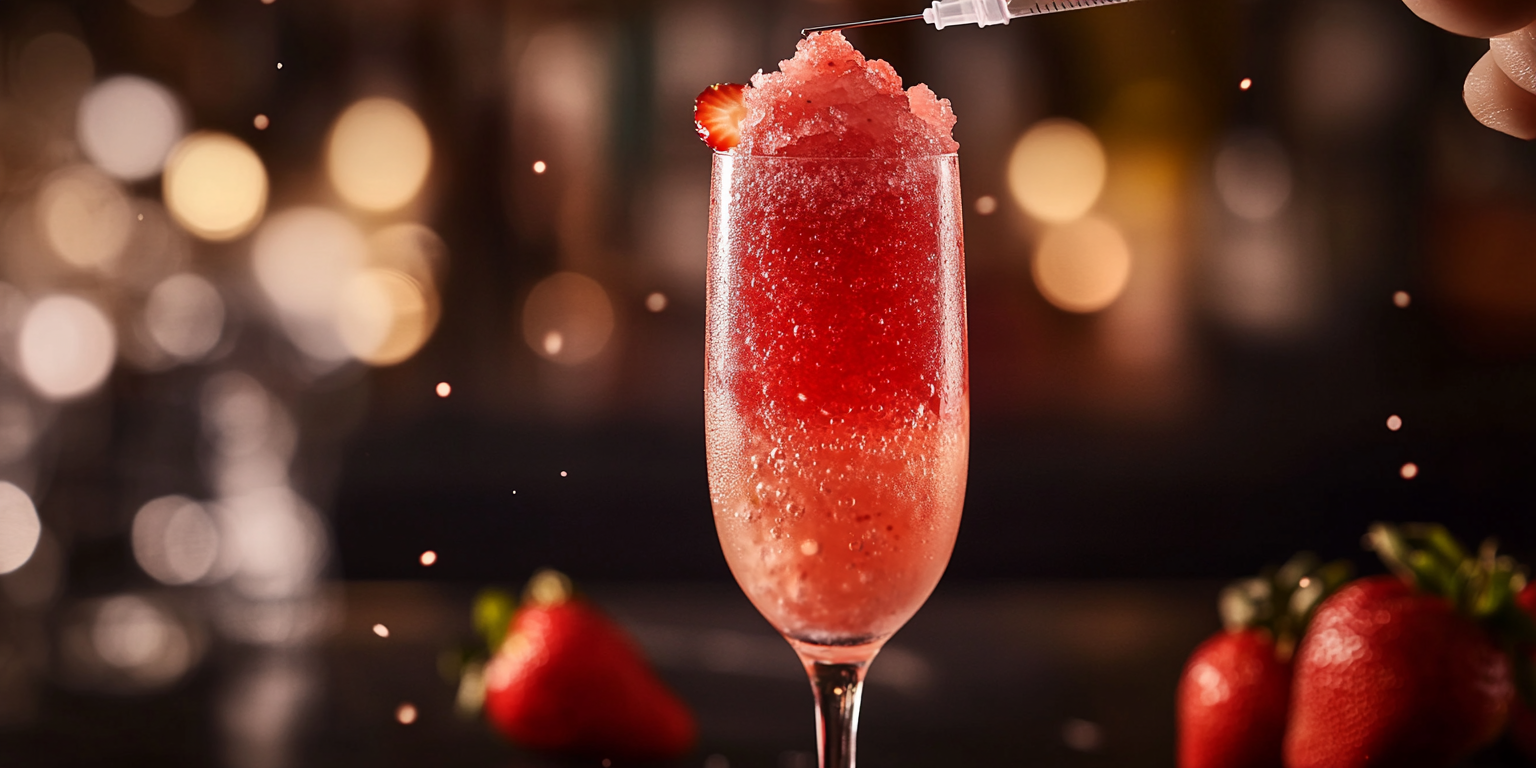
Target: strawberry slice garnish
{"x":717,"y":114}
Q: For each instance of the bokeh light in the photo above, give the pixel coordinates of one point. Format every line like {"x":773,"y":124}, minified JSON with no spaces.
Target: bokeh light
{"x":51,"y":71}
{"x":1409,"y":471}
{"x":567,"y":318}
{"x":405,"y":713}
{"x":20,"y":527}
{"x":184,"y":316}
{"x":379,"y":154}
{"x":381,"y":630}
{"x":412,"y":249}
{"x":1349,"y":66}
{"x":1057,"y":170}
{"x":143,"y":640}
{"x":252,"y":435}
{"x":1082,"y":266}
{"x":1262,"y":281}
{"x":444,"y":389}
{"x":1253,"y":176}
{"x":174,"y":540}
{"x":428,"y":557}
{"x":274,"y":542}
{"x":66,"y":347}
{"x":385,"y":316}
{"x":304,"y":257}
{"x":215,"y":186}
{"x":1394,"y":422}
{"x":85,"y":218}
{"x":127,"y":126}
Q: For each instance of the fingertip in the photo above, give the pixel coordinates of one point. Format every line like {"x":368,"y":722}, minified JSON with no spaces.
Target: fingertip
{"x":1515,"y":53}
{"x":1475,"y":18}
{"x":1497,"y":102}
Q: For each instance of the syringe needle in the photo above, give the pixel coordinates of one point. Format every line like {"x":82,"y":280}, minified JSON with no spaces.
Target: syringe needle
{"x":949,"y":13}
{"x":857,"y":24}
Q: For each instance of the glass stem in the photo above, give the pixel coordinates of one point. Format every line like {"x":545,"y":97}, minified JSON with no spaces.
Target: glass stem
{"x":838,"y":688}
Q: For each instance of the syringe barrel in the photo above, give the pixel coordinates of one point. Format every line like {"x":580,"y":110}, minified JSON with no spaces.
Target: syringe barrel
{"x":947,"y":13}
{"x":1017,"y":8}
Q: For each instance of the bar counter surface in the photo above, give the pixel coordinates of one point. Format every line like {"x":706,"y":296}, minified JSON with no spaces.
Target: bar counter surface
{"x":999,"y":674}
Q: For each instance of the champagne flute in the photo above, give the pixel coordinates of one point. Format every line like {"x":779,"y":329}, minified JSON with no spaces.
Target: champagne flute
{"x":836,"y":401}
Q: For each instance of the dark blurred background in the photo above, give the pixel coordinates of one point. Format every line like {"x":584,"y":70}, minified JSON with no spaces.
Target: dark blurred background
{"x":298,"y":291}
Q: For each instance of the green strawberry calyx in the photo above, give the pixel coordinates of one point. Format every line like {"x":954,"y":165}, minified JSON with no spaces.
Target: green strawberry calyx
{"x":1280,"y":601}
{"x":1482,"y":585}
{"x":492,"y":613}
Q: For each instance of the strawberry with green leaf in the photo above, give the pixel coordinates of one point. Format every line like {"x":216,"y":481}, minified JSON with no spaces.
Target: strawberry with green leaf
{"x":1410,"y":669}
{"x":561,"y":677}
{"x":1235,"y":691}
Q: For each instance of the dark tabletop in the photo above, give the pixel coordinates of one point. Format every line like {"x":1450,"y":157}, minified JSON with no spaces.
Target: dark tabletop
{"x":1047,"y":674}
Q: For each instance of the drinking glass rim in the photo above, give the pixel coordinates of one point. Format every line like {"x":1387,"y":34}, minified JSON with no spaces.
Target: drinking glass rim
{"x":797,"y":158}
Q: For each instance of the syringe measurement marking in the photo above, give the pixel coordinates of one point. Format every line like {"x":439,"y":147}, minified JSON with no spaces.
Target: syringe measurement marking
{"x":1070,"y":5}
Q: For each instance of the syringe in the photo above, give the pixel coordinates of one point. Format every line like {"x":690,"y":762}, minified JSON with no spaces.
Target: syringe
{"x":947,"y":13}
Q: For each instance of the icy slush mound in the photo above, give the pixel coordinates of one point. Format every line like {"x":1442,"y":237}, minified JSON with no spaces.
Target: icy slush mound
{"x":829,"y":101}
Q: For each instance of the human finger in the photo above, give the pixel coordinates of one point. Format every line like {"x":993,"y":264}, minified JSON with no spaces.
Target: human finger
{"x":1515,"y":53}
{"x":1476,"y":18}
{"x":1497,"y":102}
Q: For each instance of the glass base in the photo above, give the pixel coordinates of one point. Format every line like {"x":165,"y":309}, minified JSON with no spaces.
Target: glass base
{"x":861,"y":651}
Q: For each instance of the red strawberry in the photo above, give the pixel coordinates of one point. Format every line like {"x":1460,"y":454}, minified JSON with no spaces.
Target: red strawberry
{"x":1235,"y":690}
{"x":717,"y":114}
{"x":1232,"y":702}
{"x":567,"y":679}
{"x":1522,"y":717}
{"x":1398,"y":670}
